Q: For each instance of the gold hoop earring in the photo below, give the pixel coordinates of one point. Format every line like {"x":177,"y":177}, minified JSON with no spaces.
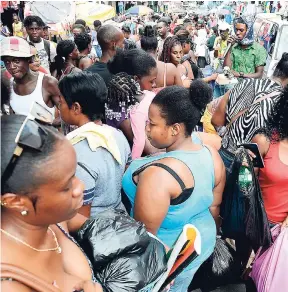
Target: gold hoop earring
{"x":3,"y":203}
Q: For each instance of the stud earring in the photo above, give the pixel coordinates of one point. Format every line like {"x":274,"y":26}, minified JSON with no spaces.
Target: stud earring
{"x":24,"y":213}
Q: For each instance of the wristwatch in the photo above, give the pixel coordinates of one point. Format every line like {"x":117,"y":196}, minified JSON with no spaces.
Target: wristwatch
{"x":241,"y":74}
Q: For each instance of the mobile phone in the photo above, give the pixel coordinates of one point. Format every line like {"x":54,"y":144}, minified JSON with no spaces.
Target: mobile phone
{"x":258,"y":160}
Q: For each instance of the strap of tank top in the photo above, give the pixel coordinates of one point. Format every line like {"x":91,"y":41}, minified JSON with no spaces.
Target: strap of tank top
{"x":167,"y":168}
{"x":40,"y":81}
{"x":165,"y":75}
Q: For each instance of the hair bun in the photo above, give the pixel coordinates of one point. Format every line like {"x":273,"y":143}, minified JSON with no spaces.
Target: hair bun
{"x":149,"y":31}
{"x":200,"y":94}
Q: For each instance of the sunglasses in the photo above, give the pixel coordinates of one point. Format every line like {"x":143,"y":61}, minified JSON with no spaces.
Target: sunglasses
{"x":31,"y":135}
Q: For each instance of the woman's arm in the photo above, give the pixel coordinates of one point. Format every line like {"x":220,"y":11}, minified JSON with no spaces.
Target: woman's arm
{"x":219,"y":117}
{"x":187,"y":65}
{"x":220,"y":180}
{"x":126,"y":128}
{"x":152,"y":198}
{"x":263,"y":146}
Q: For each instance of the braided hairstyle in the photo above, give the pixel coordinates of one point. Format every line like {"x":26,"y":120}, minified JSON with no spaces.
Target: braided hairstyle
{"x":122,"y":91}
{"x":169,"y":43}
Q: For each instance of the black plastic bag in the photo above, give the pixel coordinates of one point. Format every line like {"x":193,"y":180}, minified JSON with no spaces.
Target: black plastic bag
{"x":243,"y":211}
{"x":134,"y":272}
{"x":110,"y":234}
{"x":233,"y":201}
{"x":222,"y":267}
{"x":123,"y":255}
{"x":256,"y":221}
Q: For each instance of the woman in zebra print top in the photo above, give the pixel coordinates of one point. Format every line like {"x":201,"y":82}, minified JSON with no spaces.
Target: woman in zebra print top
{"x":248,"y":94}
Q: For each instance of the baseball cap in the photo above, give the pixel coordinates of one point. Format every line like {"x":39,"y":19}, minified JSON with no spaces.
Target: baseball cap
{"x":15,"y":47}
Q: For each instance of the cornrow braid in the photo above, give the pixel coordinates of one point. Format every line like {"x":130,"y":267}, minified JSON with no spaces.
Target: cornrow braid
{"x":169,"y":43}
{"x":122,"y":91}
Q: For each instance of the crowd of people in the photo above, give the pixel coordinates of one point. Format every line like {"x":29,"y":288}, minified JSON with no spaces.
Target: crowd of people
{"x":130,"y":119}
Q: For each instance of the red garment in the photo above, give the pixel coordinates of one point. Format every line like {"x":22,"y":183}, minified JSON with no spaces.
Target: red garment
{"x":41,"y":69}
{"x":172,"y":27}
{"x":273,"y":179}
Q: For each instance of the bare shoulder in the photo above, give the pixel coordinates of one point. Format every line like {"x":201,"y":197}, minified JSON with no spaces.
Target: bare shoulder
{"x":219,"y":167}
{"x":210,"y":139}
{"x":170,"y":67}
{"x":260,"y":139}
{"x":8,"y":285}
{"x":263,"y":143}
{"x":50,"y":81}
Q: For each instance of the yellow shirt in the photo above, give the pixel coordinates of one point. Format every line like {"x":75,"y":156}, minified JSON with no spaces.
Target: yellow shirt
{"x":17,"y":29}
{"x":221,"y":46}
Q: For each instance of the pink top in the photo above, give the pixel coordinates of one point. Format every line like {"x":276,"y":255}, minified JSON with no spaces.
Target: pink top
{"x":273,"y":179}
{"x":138,"y":119}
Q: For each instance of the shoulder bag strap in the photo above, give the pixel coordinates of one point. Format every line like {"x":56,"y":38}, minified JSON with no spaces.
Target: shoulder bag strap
{"x":28,"y":279}
{"x":234,"y":118}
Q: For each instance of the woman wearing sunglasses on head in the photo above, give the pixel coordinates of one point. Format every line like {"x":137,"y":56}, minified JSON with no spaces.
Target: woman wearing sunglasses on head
{"x":38,"y":190}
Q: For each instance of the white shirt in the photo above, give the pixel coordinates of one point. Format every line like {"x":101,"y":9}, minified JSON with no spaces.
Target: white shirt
{"x":43,"y":55}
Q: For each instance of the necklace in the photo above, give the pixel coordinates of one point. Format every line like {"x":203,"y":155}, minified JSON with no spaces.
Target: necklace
{"x":57,"y":248}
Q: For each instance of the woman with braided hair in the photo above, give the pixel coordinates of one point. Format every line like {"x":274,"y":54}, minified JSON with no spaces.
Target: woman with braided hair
{"x":172,"y":53}
{"x":127,"y":109}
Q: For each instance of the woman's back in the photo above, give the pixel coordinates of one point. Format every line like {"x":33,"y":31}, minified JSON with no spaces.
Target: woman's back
{"x":195,"y":209}
{"x":242,"y":97}
{"x":101,"y":173}
{"x":167,"y":75}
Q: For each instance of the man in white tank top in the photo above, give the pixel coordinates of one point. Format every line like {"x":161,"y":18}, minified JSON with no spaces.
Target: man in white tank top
{"x":27,"y":86}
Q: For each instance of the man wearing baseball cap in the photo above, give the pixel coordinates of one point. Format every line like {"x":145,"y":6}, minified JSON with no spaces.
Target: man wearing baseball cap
{"x":27,"y":86}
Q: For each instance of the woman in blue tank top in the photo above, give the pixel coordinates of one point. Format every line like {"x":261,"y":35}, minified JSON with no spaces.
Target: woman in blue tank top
{"x":183,"y":185}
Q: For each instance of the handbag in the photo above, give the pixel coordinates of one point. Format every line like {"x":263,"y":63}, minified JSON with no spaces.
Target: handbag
{"x":269,"y":271}
{"x":28,"y":279}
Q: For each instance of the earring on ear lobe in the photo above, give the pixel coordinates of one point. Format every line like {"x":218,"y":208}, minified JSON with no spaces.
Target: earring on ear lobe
{"x":24,"y":213}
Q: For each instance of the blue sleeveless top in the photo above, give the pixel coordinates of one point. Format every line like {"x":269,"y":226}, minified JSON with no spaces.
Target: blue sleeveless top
{"x":195,"y":210}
